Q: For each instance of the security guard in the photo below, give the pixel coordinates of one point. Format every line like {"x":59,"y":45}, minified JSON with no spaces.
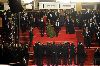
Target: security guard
{"x":54,"y":54}
{"x":65,"y":53}
{"x":48,"y":53}
{"x":81,"y":54}
{"x":72,"y":54}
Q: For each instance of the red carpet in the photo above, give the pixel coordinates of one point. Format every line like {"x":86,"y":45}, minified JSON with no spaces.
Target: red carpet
{"x":62,"y":37}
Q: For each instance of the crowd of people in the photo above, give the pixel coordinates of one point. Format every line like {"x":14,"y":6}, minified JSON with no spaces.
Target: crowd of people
{"x":10,"y":27}
{"x":57,"y":54}
{"x":91,"y":30}
{"x":53,"y":53}
{"x":14,"y":54}
{"x":51,"y":22}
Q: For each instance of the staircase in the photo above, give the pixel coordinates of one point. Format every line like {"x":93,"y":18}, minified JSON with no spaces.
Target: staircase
{"x":60,"y":39}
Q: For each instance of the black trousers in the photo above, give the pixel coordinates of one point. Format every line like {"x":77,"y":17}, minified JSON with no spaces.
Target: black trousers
{"x":71,"y":58}
{"x":48,"y":61}
{"x":39,"y":61}
{"x":65,"y":59}
{"x":80,"y":60}
{"x":57,"y":29}
{"x":54,"y":60}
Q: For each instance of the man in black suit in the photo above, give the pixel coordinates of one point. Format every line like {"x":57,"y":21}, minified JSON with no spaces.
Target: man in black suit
{"x":57,"y":27}
{"x":59,"y":53}
{"x":48,"y":53}
{"x":35,"y":52}
{"x":65,"y":53}
{"x":69,"y":25}
{"x":26,"y":54}
{"x":81,"y":54}
{"x":32,"y":22}
{"x":98,"y":36}
{"x":97,"y":57}
{"x":72,"y":54}
{"x":54,"y":54}
{"x":92,"y":28}
{"x":87,"y":37}
{"x":38,"y":54}
{"x":98,"y":18}
{"x":42,"y":27}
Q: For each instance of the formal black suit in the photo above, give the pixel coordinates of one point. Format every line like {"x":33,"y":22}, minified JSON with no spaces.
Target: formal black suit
{"x":97,"y":57}
{"x":98,"y":37}
{"x":81,"y":54}
{"x":87,"y":38}
{"x":57,"y":27}
{"x":69,"y":26}
{"x":42,"y":27}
